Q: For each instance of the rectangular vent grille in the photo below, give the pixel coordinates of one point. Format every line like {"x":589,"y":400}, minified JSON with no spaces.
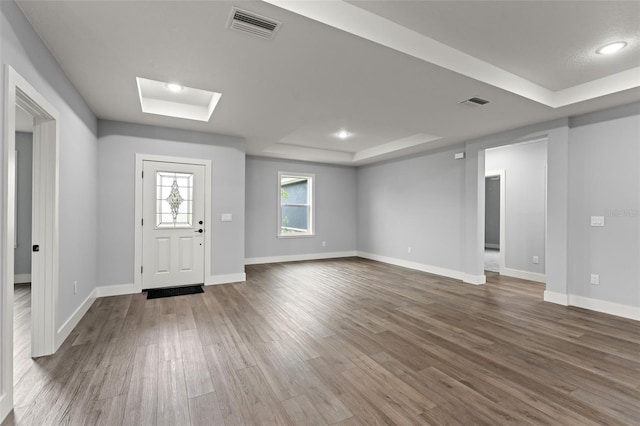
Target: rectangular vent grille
{"x":252,"y":23}
{"x":475,"y":101}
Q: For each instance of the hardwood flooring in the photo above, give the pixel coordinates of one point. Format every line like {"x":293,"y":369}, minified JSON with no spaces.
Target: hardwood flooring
{"x":338,"y":342}
{"x":21,"y":330}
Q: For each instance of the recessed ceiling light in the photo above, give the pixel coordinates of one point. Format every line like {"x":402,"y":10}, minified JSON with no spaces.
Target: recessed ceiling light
{"x":343,"y":134}
{"x":174,"y":87}
{"x":611,"y":48}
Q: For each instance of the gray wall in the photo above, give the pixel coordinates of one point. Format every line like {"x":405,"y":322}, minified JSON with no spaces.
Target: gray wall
{"x":492,"y":212}
{"x":525,"y":170}
{"x":604,"y":180}
{"x":335,"y":209}
{"x":593,"y":168}
{"x":22,"y":253}
{"x":435,"y":205}
{"x":417,"y":203}
{"x":118,"y":144}
{"x":21,"y":48}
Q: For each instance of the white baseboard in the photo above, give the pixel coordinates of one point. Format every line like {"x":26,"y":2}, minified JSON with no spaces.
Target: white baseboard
{"x":617,"y":309}
{"x":117,"y":290}
{"x":122,"y":289}
{"x":436,"y":270}
{"x":21,"y":278}
{"x":524,"y":275}
{"x":475,"y":279}
{"x":226,"y":279}
{"x":624,"y":311}
{"x":6,"y":405}
{"x":557,"y":298}
{"x":74,"y":319}
{"x":298,"y":257}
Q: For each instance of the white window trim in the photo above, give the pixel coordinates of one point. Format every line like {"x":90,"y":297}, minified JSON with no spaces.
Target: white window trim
{"x":312,"y":201}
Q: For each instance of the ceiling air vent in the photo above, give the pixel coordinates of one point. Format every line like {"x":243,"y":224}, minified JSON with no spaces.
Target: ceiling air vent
{"x":252,"y":23}
{"x":475,"y":101}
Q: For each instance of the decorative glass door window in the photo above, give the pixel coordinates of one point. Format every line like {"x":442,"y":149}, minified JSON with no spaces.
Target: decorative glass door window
{"x":174,"y":200}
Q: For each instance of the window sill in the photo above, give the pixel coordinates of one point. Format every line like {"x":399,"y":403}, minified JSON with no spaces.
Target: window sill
{"x":296,"y":236}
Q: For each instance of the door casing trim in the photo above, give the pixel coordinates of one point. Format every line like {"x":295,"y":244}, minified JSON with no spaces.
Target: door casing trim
{"x":140,"y":158}
{"x":45,"y":231}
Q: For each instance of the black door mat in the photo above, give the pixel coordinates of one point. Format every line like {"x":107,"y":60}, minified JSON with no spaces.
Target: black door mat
{"x":156,"y":293}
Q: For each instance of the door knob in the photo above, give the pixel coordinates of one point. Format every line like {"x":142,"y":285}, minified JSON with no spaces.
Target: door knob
{"x":200,"y":231}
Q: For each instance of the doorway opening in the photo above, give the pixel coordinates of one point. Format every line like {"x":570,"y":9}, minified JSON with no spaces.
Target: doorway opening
{"x":515,"y":201}
{"x":494,"y":216}
{"x":22,"y":334}
{"x":44,"y":228}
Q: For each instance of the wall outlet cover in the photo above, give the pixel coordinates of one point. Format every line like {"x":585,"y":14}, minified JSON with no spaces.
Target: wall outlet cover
{"x":595,"y":279}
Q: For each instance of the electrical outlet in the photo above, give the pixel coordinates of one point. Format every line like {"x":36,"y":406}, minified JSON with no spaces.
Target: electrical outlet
{"x":409,"y":250}
{"x":324,"y":244}
{"x":536,"y":260}
{"x":75,"y":287}
{"x":595,"y":279}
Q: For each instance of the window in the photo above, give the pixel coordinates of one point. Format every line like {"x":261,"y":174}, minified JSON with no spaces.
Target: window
{"x":174,"y":198}
{"x":295,"y":206}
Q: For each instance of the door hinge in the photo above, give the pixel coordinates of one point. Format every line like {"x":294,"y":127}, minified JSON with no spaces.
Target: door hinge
{"x":141,"y":269}
{"x":141,"y":222}
{"x":143,"y":174}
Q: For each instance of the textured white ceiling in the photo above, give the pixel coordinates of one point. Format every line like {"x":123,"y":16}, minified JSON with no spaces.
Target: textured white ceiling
{"x":288,"y":96}
{"x":551,"y":43}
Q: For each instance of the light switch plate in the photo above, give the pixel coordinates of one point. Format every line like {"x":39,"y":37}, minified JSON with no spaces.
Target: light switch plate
{"x":226,"y":217}
{"x":597,"y":220}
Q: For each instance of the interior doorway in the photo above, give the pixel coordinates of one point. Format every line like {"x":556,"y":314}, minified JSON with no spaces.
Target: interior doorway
{"x":44,"y":227}
{"x":515,"y":208}
{"x":23,"y":195}
{"x":22,"y":330}
{"x":494,"y":223}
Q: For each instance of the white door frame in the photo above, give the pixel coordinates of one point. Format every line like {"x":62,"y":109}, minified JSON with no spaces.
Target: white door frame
{"x":503,"y":203}
{"x":140,"y":158}
{"x":44,"y":268}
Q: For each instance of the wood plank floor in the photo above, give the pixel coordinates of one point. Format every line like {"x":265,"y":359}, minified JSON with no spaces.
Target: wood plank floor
{"x":338,"y":342}
{"x":22,"y":361}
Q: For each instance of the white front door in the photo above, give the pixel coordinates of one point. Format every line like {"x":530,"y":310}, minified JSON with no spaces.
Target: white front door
{"x":172,"y":224}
